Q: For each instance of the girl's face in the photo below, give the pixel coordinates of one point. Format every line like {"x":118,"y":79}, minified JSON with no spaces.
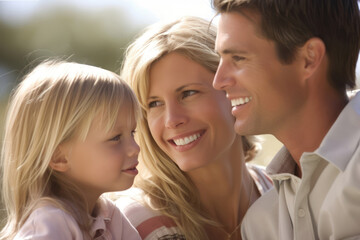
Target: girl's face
{"x":105,"y":161}
{"x":187,"y":117}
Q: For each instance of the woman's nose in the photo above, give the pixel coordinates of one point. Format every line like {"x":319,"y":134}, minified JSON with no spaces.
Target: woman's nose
{"x":175,"y":116}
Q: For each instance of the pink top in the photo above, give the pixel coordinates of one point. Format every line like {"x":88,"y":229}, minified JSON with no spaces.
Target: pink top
{"x":49,"y":222}
{"x":153,"y":225}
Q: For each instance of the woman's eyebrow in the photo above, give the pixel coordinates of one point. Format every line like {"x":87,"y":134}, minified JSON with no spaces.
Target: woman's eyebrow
{"x":186,"y":85}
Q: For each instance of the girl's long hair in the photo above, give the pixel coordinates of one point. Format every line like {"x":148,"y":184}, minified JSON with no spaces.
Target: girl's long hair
{"x":55,"y":103}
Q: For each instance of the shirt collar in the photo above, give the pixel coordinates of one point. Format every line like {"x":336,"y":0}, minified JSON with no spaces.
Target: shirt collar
{"x":282,"y":167}
{"x":99,"y":222}
{"x":343,"y":137}
{"x":282,"y":163}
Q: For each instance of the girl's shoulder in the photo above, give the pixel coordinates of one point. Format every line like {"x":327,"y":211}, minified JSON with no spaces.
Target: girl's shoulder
{"x":49,"y":222}
{"x":262,"y":180}
{"x":110,"y":221}
{"x":149,"y":222}
{"x":134,"y":204}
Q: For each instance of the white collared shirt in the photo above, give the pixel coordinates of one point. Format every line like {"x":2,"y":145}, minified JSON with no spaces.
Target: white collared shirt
{"x":325,"y":202}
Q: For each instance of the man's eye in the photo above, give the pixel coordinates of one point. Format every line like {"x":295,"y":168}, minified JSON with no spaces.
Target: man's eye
{"x":237,"y":58}
{"x":154,"y":104}
{"x":188,"y":93}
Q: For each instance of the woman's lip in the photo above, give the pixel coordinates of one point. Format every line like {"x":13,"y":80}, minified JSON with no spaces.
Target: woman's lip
{"x":186,"y":147}
{"x":201,"y":132}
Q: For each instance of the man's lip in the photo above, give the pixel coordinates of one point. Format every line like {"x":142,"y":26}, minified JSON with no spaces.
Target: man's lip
{"x":237,"y":97}
{"x":238,"y":101}
{"x":234,"y":95}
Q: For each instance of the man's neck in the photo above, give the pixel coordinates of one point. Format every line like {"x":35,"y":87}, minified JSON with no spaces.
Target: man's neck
{"x":306,"y":133}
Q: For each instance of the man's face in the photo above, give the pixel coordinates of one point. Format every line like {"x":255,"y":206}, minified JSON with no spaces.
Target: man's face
{"x":266,"y":95}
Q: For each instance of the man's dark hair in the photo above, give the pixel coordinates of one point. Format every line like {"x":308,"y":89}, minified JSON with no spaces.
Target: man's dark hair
{"x":290,"y":23}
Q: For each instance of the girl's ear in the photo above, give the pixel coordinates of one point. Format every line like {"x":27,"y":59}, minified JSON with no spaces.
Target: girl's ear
{"x":59,"y":161}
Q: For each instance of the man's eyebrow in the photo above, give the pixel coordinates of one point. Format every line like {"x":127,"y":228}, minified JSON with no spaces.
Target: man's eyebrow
{"x":231,"y":51}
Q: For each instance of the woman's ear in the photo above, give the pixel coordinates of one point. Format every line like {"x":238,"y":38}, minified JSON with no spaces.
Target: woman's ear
{"x":313,"y":52}
{"x":59,"y":161}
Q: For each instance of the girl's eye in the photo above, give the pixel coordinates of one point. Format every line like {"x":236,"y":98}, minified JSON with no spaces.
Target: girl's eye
{"x":154,"y":104}
{"x":188,"y":93}
{"x":115,"y":139}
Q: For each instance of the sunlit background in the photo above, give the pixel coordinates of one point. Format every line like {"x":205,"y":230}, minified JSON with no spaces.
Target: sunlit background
{"x":91,"y":32}
{"x":87,"y":31}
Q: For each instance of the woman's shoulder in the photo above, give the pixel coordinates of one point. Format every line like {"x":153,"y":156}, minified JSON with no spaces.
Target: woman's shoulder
{"x":150,"y":223}
{"x":49,"y":222}
{"x":262,"y":180}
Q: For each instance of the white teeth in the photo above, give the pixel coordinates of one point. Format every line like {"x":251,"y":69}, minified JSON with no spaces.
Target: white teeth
{"x":186,"y":140}
{"x":240,"y":101}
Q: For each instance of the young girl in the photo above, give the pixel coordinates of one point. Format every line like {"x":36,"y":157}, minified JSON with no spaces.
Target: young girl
{"x":68,"y":139}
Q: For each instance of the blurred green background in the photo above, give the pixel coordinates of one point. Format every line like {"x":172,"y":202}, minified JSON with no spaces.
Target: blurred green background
{"x":94,"y":32}
{"x":32,"y":31}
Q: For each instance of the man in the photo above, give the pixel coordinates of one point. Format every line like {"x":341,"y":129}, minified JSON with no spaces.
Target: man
{"x":286,"y":65}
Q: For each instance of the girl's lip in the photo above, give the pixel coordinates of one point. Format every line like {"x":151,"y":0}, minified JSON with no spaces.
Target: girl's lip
{"x":133,"y":172}
{"x":131,"y":168}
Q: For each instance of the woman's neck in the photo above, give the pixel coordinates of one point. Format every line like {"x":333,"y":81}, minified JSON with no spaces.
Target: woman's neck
{"x":224,"y":188}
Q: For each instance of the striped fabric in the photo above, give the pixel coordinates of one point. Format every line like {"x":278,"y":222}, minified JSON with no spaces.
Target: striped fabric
{"x":152,"y":225}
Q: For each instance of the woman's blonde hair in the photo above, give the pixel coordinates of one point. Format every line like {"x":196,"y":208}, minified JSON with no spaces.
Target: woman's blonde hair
{"x":56,"y":102}
{"x":168,"y":188}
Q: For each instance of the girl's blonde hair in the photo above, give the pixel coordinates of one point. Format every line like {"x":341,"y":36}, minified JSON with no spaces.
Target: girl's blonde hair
{"x":55,"y":103}
{"x":168,"y":188}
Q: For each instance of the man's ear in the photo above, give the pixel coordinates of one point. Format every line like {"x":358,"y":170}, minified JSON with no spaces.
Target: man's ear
{"x":59,"y":161}
{"x":313,"y":52}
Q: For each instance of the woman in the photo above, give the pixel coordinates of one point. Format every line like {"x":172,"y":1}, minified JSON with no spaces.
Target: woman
{"x":198,"y":186}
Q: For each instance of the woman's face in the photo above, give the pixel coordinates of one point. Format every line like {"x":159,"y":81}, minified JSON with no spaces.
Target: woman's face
{"x":187,"y":117}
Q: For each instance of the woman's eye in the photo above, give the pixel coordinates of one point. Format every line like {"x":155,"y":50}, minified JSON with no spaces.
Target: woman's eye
{"x":189,"y":93}
{"x":154,"y":104}
{"x":115,"y":139}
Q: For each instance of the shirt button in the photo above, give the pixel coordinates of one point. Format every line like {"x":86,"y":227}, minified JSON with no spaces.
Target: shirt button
{"x":301,"y":212}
